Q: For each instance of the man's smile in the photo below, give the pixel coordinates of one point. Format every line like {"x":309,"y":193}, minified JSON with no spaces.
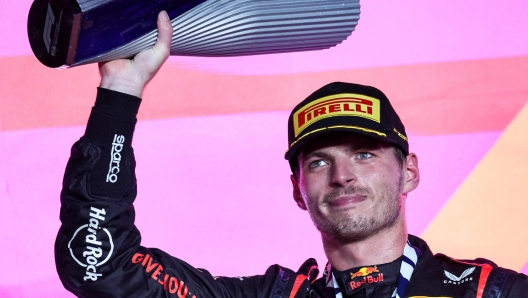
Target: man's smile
{"x":346,"y":200}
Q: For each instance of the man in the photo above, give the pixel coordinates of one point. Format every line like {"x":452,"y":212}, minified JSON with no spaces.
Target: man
{"x":352,"y":171}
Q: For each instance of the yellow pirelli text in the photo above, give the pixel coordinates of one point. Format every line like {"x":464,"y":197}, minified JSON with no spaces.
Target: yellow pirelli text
{"x":344,"y":104}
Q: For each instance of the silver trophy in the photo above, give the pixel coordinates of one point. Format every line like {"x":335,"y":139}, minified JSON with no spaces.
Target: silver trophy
{"x":66,"y":33}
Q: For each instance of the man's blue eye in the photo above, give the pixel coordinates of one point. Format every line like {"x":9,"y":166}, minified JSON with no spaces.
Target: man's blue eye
{"x":364,"y":155}
{"x":317,"y":163}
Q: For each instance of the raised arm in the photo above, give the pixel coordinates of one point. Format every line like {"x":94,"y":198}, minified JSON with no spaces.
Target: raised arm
{"x":98,"y":250}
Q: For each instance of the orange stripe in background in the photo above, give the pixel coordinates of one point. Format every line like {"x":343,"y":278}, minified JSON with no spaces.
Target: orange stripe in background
{"x":488,"y":214}
{"x":440,"y":98}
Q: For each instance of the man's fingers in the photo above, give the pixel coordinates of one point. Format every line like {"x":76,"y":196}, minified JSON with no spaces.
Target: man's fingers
{"x":162,"y":46}
{"x":131,"y":76}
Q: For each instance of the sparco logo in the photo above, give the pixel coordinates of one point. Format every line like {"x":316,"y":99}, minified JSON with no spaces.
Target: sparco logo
{"x":453,"y":279}
{"x":280,"y":284}
{"x":91,"y":246}
{"x":115,"y":158}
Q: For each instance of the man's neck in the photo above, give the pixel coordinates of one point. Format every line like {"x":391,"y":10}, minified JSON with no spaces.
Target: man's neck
{"x":383,"y":247}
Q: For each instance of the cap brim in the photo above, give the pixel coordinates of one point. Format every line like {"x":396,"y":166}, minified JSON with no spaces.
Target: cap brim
{"x":296,"y":147}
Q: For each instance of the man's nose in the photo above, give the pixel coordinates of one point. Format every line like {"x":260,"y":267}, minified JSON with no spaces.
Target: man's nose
{"x":343,"y":173}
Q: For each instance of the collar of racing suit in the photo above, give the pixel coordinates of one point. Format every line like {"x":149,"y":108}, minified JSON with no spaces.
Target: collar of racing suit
{"x":364,"y":278}
{"x":387,"y":280}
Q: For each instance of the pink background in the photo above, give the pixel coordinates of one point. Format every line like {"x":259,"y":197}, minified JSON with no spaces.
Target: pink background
{"x":213,"y":184}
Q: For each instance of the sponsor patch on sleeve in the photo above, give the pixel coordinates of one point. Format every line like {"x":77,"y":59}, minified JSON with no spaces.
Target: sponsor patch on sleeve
{"x":169,"y":283}
{"x":344,"y":104}
{"x":91,"y":245}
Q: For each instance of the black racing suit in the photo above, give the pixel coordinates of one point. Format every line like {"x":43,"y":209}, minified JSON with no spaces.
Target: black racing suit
{"x":98,"y":251}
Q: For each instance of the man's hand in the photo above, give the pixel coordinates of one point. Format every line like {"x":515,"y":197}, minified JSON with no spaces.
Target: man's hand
{"x":130,"y":76}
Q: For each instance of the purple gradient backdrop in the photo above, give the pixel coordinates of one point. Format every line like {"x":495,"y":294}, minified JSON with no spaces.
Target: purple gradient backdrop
{"x":215,"y":190}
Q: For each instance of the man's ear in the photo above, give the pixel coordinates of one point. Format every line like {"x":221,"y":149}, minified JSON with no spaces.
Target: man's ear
{"x":411,"y":172}
{"x":297,"y":194}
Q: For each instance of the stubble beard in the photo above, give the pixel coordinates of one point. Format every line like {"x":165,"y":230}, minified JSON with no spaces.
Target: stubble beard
{"x":356,"y":227}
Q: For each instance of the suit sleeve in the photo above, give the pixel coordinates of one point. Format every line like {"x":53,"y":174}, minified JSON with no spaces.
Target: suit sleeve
{"x":98,"y":251}
{"x":519,"y":288}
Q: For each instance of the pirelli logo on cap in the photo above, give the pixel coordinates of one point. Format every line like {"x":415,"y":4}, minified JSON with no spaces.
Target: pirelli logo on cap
{"x":344,"y":104}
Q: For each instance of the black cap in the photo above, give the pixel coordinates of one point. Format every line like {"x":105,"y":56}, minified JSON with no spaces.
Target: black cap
{"x":345,"y":107}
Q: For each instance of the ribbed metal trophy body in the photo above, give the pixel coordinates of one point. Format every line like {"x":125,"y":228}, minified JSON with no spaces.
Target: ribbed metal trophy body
{"x":65,"y":33}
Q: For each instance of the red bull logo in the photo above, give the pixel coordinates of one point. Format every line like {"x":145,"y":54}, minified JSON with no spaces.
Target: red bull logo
{"x":346,"y":104}
{"x":366,"y":280}
{"x":365,"y":271}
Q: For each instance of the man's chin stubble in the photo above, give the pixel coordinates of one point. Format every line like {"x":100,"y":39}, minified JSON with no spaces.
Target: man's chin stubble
{"x":358,"y":228}
{"x":347,"y":231}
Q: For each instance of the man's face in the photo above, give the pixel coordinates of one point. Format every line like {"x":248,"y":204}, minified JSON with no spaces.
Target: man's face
{"x":352,"y":185}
